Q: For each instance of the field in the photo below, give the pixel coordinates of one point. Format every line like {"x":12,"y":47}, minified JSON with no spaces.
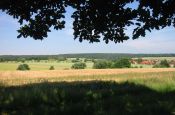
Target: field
{"x":159,"y":58}
{"x":19,"y":77}
{"x":12,"y":66}
{"x":65,"y":65}
{"x":144,"y":91}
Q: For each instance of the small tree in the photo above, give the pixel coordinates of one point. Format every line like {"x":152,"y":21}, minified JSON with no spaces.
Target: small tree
{"x":164,"y":63}
{"x":23,"y":67}
{"x":75,"y":61}
{"x":101,"y":65}
{"x":79,"y":65}
{"x":1,"y":59}
{"x":51,"y":68}
{"x":122,"y":63}
{"x":139,"y":60}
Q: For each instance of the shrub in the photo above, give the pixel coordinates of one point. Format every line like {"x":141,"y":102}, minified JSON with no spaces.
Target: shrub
{"x":101,"y":65}
{"x":135,"y":67}
{"x":88,"y":60}
{"x":51,"y":68}
{"x":122,"y":63}
{"x":75,"y":61}
{"x":164,"y":63}
{"x":141,"y":66}
{"x":139,"y":60}
{"x":23,"y":67}
{"x":156,"y":66}
{"x":79,"y":65}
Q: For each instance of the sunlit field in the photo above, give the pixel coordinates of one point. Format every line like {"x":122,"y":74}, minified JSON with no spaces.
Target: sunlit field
{"x":23,"y":77}
{"x":88,"y":92}
{"x":37,"y":66}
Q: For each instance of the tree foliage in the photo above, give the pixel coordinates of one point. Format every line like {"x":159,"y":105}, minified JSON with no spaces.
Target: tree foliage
{"x":93,"y":19}
{"x":122,"y":63}
{"x":162,"y":64}
{"x":101,"y":64}
{"x":79,"y":65}
{"x":51,"y":68}
{"x":23,"y":67}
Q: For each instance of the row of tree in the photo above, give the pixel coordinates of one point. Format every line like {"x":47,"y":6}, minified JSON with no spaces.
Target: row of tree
{"x":31,"y":58}
{"x":103,"y":64}
{"x":120,"y":63}
{"x":86,"y":56}
{"x":25,"y":67}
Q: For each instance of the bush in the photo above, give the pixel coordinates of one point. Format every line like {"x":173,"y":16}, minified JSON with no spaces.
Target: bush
{"x":23,"y":67}
{"x":51,"y":68}
{"x":164,"y":63}
{"x":88,"y":60}
{"x":141,"y":66}
{"x":75,"y":61}
{"x":157,"y":66}
{"x":101,"y":65}
{"x":79,"y":65}
{"x":139,"y":60}
{"x":135,"y":67}
{"x":122,"y":63}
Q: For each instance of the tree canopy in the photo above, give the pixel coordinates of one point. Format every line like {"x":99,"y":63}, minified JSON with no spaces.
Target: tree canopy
{"x":93,"y":19}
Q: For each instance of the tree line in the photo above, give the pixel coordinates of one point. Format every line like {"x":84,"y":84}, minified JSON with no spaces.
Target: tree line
{"x":62,"y":57}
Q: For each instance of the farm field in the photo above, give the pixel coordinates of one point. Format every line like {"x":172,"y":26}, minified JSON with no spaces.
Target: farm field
{"x":12,"y":66}
{"x":88,"y":92}
{"x":159,"y":58}
{"x":36,"y":65}
{"x":25,"y":77}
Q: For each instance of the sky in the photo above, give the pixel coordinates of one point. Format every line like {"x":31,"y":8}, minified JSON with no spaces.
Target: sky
{"x":62,"y":42}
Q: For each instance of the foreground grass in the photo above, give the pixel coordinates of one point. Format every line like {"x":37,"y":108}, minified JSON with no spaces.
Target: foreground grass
{"x":123,"y":94}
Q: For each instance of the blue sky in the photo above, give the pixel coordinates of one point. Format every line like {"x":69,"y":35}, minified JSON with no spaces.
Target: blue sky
{"x":62,"y":42}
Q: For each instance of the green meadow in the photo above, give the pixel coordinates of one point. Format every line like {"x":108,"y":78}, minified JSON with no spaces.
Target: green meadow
{"x":12,"y":66}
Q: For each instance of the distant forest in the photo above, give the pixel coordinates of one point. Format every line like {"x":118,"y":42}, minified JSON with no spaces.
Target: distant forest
{"x":109,"y":56}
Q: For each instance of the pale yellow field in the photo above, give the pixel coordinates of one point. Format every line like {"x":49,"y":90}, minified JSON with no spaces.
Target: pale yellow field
{"x":26,"y":77}
{"x":80,"y":72}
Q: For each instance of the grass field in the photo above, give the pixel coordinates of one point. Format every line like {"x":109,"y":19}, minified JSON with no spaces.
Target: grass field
{"x":62,"y":65}
{"x":159,"y":58}
{"x":12,"y":66}
{"x":15,"y":77}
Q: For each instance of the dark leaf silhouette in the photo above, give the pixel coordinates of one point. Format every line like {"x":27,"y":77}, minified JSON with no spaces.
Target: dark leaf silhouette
{"x":93,"y":19}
